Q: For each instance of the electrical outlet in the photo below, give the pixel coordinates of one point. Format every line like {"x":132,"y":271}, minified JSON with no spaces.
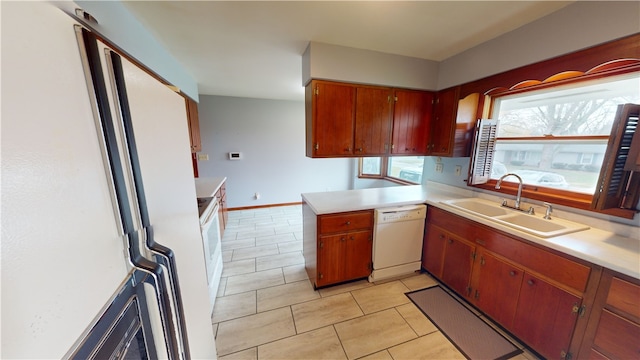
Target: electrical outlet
{"x":203,"y":157}
{"x":458,"y":170}
{"x":257,"y":195}
{"x":439,"y":167}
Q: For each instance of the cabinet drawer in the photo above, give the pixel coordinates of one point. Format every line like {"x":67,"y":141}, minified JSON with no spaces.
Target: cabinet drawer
{"x":343,"y":222}
{"x":624,"y":296}
{"x":617,"y":337}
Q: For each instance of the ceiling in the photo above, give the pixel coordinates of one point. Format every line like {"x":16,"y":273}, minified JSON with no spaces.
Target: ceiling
{"x":253,"y":49}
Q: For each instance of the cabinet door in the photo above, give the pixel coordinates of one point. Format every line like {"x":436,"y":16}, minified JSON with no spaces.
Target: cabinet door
{"x":373,"y":121}
{"x":545,"y":316}
{"x":331,"y":259}
{"x":497,"y":285}
{"x":333,"y":119}
{"x":411,"y":122}
{"x":444,"y":121}
{"x":194,"y":125}
{"x":458,"y":260}
{"x":433,"y":250}
{"x":358,"y":255}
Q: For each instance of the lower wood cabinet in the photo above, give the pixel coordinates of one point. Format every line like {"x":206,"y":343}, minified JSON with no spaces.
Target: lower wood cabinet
{"x":614,"y":324}
{"x":535,"y":293}
{"x":456,"y":266}
{"x":497,"y":287}
{"x":337,"y":247}
{"x":545,"y":316}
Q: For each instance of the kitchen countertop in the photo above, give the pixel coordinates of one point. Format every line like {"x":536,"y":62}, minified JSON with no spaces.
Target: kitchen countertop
{"x":207,"y":187}
{"x":600,"y":247}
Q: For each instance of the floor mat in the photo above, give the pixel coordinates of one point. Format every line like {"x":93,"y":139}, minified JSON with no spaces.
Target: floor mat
{"x":471,"y":335}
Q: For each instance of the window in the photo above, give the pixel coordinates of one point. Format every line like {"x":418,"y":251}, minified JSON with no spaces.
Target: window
{"x":404,"y":169}
{"x":556,"y":137}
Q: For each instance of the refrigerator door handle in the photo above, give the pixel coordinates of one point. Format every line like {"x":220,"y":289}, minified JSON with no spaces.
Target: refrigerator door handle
{"x":176,"y":339}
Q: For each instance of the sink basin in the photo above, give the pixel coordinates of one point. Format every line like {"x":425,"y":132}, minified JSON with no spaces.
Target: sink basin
{"x":532,"y":224}
{"x":539,"y":226}
{"x":478,"y":206}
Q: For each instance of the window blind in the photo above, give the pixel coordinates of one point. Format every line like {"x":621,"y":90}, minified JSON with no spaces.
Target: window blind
{"x":484,"y":149}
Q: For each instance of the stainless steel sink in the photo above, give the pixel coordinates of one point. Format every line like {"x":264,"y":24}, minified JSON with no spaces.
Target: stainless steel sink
{"x":532,"y":224}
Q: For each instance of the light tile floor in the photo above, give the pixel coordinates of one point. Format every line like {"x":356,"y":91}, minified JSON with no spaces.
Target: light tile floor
{"x":267,"y":308}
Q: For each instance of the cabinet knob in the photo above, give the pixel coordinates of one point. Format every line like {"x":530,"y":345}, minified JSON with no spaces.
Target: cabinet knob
{"x":513,"y":273}
{"x":343,"y":239}
{"x":351,"y":238}
{"x":480,"y":241}
{"x":530,"y":282}
{"x":348,"y":223}
{"x":441,"y":236}
{"x":360,"y":149}
{"x":348,"y":149}
{"x":450,"y":241}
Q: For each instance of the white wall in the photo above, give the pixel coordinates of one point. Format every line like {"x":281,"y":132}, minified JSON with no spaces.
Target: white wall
{"x":333,"y":62}
{"x":271,"y":136}
{"x":577,"y":26}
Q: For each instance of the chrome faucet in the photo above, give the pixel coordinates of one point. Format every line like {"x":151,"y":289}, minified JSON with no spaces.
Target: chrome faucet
{"x":517,"y":207}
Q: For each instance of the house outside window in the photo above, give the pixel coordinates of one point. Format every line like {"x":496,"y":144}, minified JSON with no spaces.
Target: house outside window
{"x":557,"y":136}
{"x":402,"y":169}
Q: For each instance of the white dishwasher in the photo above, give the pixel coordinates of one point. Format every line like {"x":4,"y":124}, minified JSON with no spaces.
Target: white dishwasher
{"x":397,"y":241}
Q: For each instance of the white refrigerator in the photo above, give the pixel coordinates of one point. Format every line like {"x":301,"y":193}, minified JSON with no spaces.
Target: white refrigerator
{"x":64,"y":253}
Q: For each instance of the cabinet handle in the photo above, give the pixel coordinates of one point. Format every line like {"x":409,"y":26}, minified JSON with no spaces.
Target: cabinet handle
{"x":348,"y":223}
{"x":351,"y":238}
{"x":450,"y":241}
{"x":530,"y":282}
{"x":477,"y":294}
{"x":348,"y":149}
{"x":360,"y":149}
{"x":480,"y":241}
{"x":512,"y":273}
{"x":343,"y":239}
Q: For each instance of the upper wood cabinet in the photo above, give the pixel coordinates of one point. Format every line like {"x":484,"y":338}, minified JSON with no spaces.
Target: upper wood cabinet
{"x":194,"y":125}
{"x":374,"y":108}
{"x":349,"y":120}
{"x":453,"y":123}
{"x":330,"y":109}
{"x":411,"y":122}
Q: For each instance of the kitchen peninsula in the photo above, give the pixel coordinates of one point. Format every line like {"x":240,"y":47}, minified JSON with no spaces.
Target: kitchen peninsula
{"x":530,"y":285}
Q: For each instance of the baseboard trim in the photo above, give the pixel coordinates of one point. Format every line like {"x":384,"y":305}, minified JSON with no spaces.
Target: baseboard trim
{"x":263,"y":206}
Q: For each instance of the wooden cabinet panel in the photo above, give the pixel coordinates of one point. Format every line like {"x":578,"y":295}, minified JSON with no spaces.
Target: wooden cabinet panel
{"x":545,"y":316}
{"x":433,"y":250}
{"x":343,"y":222}
{"x":331,"y":259}
{"x":359,"y":247}
{"x":194,"y":125}
{"x":333,"y":109}
{"x":411,"y":122}
{"x":497,"y":286}
{"x":373,"y":121}
{"x":443,"y":124}
{"x":617,"y":337}
{"x":456,"y":268}
{"x":625,"y":297}
{"x":614,"y":325}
